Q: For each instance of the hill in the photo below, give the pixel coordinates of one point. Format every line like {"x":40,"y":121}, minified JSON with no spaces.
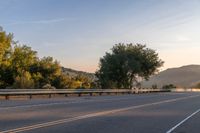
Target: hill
{"x":73,"y":73}
{"x":185,"y":76}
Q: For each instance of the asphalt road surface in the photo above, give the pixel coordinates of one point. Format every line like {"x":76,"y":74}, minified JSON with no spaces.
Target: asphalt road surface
{"x":142,"y":113}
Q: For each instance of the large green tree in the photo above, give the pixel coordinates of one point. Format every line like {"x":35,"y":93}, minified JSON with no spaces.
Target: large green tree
{"x":5,"y":45}
{"x":6,"y":74}
{"x":125,"y":64}
{"x":49,"y":69}
{"x":22,"y":58}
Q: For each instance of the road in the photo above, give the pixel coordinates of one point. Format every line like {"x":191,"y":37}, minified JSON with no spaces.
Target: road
{"x":142,"y":113}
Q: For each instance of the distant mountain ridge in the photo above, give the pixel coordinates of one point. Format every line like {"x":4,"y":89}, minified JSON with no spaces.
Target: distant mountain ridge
{"x":73,"y":73}
{"x":185,"y":76}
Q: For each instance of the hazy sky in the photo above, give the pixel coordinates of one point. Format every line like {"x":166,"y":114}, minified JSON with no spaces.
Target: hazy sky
{"x":79,"y":32}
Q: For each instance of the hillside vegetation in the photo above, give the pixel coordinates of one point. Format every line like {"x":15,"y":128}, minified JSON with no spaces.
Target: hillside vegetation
{"x":74,"y":73}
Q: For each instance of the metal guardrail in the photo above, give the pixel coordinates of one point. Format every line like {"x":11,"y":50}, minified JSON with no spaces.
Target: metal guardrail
{"x":30,"y":92}
{"x":185,"y":90}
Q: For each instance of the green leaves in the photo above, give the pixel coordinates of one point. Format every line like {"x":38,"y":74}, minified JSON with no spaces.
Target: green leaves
{"x":22,"y":58}
{"x":24,"y":81}
{"x":126,"y":64}
{"x":5,"y":45}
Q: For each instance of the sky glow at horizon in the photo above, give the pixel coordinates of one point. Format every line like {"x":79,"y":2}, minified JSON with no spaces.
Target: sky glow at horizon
{"x":78,"y":33}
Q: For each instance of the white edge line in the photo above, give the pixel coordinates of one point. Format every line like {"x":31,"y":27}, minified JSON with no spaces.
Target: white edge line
{"x":180,"y":123}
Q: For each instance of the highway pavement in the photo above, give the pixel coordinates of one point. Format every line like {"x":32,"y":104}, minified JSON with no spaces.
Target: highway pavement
{"x":134,"y":113}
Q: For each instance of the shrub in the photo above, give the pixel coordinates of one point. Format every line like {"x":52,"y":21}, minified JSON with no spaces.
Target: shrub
{"x":48,"y":86}
{"x":169,"y":86}
{"x":154,"y":86}
{"x":24,"y":81}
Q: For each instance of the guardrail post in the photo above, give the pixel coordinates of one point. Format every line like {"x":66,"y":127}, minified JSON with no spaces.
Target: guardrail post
{"x":7,"y":97}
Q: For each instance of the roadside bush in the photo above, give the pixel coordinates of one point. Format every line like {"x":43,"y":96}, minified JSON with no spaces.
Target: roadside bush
{"x":24,"y":81}
{"x":154,"y":86}
{"x":197,"y":86}
{"x":169,"y":86}
{"x":48,"y":86}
